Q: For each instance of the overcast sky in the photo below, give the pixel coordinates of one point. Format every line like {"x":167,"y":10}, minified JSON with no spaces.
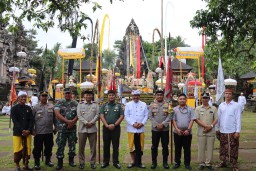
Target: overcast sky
{"x":147,"y":16}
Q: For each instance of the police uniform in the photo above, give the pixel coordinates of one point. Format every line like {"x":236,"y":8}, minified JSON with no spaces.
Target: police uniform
{"x":44,"y":120}
{"x":206,"y":115}
{"x":160,"y":113}
{"x":87,"y":113}
{"x":68,"y":110}
{"x":111,"y":112}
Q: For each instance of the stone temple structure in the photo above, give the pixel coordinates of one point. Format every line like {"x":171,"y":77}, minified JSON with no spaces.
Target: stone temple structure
{"x":10,"y":45}
{"x":128,"y":62}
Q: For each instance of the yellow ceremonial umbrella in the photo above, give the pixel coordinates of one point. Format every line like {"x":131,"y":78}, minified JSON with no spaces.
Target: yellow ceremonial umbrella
{"x":32,"y":71}
{"x":72,"y":53}
{"x":55,"y":81}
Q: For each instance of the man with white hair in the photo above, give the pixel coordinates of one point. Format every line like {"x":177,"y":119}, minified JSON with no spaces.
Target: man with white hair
{"x":22,"y":118}
{"x":136,"y":115}
{"x":242,"y":100}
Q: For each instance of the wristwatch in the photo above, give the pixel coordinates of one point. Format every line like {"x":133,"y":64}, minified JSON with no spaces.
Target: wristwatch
{"x":212,"y":125}
{"x":189,"y":129}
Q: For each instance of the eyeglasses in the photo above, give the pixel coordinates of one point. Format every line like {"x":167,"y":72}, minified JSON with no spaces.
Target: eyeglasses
{"x":205,"y":97}
{"x":44,"y":95}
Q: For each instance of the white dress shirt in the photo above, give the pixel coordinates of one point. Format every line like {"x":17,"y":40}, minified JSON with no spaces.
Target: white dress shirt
{"x":6,"y":110}
{"x":135,"y":112}
{"x":242,"y":101}
{"x":229,"y":117}
{"x":34,"y":100}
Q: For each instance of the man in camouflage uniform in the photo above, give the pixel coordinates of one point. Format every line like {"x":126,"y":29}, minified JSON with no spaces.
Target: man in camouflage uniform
{"x":44,"y":120}
{"x":111,"y":114}
{"x":160,"y":116}
{"x":65,"y":111}
{"x":88,"y":114}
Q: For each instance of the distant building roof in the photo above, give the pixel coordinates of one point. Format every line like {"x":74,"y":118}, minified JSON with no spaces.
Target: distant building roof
{"x":176,"y":65}
{"x":85,"y":66}
{"x":249,"y":75}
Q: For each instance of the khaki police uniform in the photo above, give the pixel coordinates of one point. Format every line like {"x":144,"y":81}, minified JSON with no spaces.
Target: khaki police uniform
{"x":87,"y":113}
{"x":44,"y":122}
{"x":205,"y":140}
{"x":160,"y":113}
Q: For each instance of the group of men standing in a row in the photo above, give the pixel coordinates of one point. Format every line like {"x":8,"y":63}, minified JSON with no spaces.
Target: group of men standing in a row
{"x":45,"y":119}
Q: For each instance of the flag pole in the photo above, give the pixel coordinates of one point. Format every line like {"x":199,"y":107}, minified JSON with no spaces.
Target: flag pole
{"x":12,"y":87}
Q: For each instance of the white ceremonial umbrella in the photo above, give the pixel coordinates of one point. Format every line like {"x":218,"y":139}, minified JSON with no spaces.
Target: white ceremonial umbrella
{"x":59,"y":86}
{"x":86,"y":85}
{"x":230,"y":81}
{"x":14,"y":69}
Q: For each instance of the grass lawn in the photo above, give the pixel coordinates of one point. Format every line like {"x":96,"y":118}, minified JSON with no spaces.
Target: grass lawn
{"x":247,"y":150}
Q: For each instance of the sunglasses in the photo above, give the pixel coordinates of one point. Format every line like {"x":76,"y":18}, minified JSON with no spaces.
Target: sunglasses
{"x":44,"y":95}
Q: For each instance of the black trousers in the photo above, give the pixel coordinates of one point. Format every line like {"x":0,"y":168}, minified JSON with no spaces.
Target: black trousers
{"x":185,"y":143}
{"x":41,"y":140}
{"x":156,"y":136}
{"x":138,"y":151}
{"x":108,"y":137}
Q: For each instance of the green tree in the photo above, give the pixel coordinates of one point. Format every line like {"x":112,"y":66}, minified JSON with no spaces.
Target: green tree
{"x":108,"y":59}
{"x":234,"y":21}
{"x":44,"y":13}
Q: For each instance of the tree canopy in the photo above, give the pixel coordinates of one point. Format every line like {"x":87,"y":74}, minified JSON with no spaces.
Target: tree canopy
{"x":232,"y":20}
{"x":44,"y":13}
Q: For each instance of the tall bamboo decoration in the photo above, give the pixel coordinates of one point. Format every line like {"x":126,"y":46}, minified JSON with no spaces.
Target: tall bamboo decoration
{"x":100,"y":93}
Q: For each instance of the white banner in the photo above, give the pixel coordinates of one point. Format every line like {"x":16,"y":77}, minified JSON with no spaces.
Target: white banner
{"x":220,"y":84}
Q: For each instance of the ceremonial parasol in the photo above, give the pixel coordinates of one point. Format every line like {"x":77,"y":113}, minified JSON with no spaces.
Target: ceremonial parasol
{"x":193,"y":83}
{"x":14,"y":69}
{"x":230,"y":81}
{"x":86,"y":85}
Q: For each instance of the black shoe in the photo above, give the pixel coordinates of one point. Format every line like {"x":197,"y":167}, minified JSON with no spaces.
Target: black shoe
{"x":81,"y":166}
{"x":201,"y":167}
{"x":37,"y":166}
{"x":17,"y":169}
{"x":141,"y":166}
{"x":104,"y":165}
{"x":28,"y":168}
{"x":165,"y":165}
{"x":176,"y":166}
{"x":188,"y":167}
{"x":153,"y":166}
{"x":60,"y":164}
{"x":130,"y":165}
{"x":93,"y":166}
{"x":210,"y":167}
{"x":117,"y":165}
{"x":71,"y":162}
{"x":48,"y":162}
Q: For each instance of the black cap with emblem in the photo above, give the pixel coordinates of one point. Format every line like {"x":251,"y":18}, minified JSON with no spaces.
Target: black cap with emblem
{"x":204,"y":94}
{"x":43,"y":93}
{"x":159,"y":90}
{"x":67,"y":90}
{"x":88,"y":91}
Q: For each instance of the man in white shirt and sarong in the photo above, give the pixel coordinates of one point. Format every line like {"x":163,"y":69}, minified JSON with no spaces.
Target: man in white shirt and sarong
{"x":242,"y":101}
{"x":228,"y":130}
{"x":136,"y":115}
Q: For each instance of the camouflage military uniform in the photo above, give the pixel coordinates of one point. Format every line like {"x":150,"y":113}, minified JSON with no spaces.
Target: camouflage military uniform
{"x":68,"y":110}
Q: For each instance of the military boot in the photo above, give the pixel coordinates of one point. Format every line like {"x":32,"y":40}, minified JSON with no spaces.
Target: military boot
{"x":48,"y":162}
{"x":37,"y":164}
{"x":71,"y":162}
{"x":60,"y":164}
